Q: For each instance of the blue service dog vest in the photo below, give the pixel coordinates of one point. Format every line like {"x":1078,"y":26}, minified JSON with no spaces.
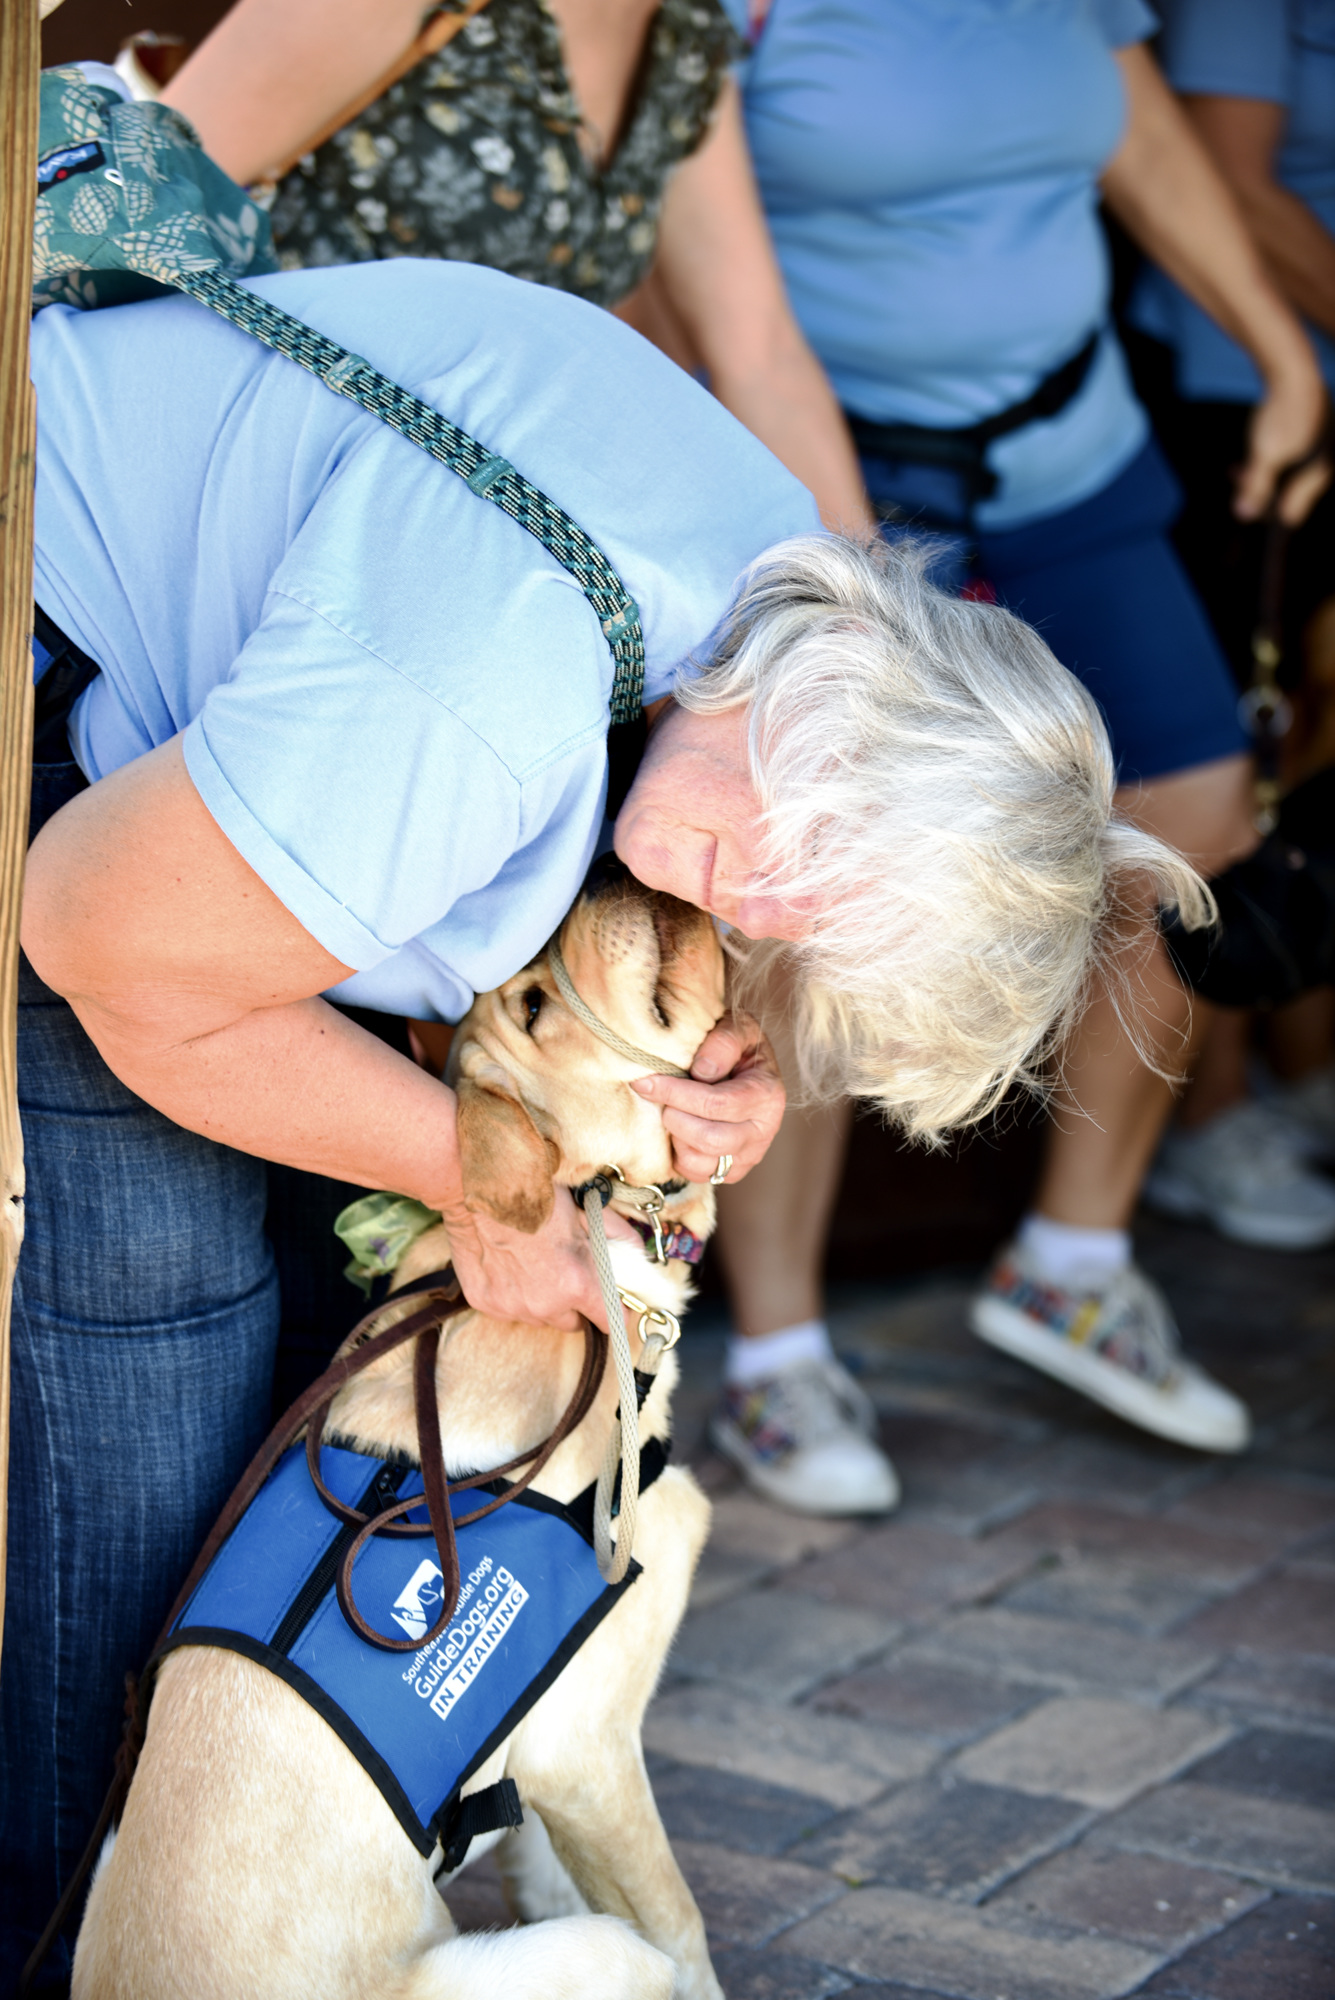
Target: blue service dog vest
{"x":420,"y":1724}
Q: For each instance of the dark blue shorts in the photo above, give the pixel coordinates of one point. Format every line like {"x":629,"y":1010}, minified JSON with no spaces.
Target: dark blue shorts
{"x":1104,"y":586}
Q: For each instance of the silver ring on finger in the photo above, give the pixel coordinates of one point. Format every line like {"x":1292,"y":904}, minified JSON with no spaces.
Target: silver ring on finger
{"x":722,"y":1170}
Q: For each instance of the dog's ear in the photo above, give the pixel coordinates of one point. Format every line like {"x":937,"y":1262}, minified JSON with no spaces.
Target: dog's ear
{"x":506,"y":1163}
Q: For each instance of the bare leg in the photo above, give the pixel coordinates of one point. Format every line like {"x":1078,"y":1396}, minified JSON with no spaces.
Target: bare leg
{"x":772,"y":1227}
{"x":808,"y":1445}
{"x":1219,"y":1080}
{"x":1302,"y":1035}
{"x":1112,"y":1108}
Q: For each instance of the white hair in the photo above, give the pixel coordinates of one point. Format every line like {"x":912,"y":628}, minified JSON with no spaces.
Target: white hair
{"x":939,"y":789}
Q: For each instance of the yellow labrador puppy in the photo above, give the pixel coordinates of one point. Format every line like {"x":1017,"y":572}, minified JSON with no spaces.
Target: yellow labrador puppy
{"x":256,"y":1856}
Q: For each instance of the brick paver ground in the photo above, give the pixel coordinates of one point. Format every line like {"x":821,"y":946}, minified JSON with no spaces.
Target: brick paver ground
{"x":1061,"y":1729}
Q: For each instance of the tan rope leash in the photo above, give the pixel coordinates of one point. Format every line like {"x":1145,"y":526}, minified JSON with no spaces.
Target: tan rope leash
{"x":566,"y":987}
{"x":658,"y":1331}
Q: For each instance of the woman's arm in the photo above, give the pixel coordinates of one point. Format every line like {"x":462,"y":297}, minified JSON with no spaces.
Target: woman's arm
{"x":200,"y":990}
{"x":1242,"y":135}
{"x":722,"y":282}
{"x":1163,"y":186}
{"x":274,"y":72}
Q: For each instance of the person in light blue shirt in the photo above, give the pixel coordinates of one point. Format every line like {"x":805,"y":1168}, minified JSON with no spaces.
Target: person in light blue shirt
{"x":349,"y":553}
{"x":1256,"y":79}
{"x":932,"y":177}
{"x":342,"y":739}
{"x":1259,"y":80}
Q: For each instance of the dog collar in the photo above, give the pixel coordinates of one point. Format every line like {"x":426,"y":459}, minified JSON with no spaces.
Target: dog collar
{"x":676,"y":1240}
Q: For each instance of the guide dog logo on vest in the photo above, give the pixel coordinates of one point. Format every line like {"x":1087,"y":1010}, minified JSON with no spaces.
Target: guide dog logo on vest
{"x":419,"y":1720}
{"x":491,"y":1599}
{"x":418,"y":1604}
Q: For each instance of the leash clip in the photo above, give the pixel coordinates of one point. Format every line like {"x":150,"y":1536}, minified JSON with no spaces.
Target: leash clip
{"x":611,"y":1185}
{"x":656,"y":1322}
{"x":652,"y":1206}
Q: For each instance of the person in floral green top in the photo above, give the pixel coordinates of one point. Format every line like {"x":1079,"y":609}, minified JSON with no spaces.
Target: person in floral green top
{"x":576,"y":143}
{"x":476,"y":154}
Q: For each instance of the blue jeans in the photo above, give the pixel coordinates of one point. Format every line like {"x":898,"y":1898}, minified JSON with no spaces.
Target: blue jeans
{"x":146,"y":1313}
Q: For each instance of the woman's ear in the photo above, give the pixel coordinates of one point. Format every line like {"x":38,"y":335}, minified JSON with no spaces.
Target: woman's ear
{"x":506,"y":1165}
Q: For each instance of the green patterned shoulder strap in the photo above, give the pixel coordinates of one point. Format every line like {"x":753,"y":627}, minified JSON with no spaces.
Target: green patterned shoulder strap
{"x":129,"y":205}
{"x":490,"y":477}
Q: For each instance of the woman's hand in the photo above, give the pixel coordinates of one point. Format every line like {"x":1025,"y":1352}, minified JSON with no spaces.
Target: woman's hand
{"x":708,"y":1117}
{"x":1287,"y":425}
{"x":545,"y":1279}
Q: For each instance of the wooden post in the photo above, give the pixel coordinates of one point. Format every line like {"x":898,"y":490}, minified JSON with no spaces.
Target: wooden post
{"x":19,"y":66}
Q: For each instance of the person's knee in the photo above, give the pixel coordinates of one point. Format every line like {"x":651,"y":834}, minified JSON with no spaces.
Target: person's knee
{"x":1205,"y":813}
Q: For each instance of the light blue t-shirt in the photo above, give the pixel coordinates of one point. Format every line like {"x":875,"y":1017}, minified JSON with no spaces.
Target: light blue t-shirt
{"x":929,"y":170}
{"x":394,"y":700}
{"x":1281,"y":51}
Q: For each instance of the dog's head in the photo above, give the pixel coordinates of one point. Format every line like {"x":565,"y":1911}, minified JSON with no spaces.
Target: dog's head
{"x":542,"y":1100}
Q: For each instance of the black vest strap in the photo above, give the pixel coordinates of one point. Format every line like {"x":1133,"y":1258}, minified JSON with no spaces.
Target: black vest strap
{"x":625,"y":747}
{"x":487,"y":1811}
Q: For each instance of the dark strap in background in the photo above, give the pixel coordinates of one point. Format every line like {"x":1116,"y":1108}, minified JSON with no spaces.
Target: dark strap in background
{"x":69,"y":672}
{"x":963,"y":448}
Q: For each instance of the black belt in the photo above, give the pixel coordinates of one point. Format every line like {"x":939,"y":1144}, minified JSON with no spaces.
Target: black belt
{"x":964,"y":449}
{"x":70,"y":671}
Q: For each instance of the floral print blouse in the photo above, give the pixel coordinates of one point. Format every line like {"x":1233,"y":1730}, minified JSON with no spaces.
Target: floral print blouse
{"x":475,"y":154}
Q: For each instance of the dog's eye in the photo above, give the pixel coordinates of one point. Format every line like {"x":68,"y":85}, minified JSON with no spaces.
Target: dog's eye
{"x":532,"y":1004}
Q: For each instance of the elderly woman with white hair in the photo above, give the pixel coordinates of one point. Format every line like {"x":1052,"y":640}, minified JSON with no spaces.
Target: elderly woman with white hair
{"x":341,"y":755}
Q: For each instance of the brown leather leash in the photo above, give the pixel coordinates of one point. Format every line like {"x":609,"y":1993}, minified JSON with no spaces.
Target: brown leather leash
{"x":1265,"y":710}
{"x":443,"y":1301}
{"x":440,"y":1520}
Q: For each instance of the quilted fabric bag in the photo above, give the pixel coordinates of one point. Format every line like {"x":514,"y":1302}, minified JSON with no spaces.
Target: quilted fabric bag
{"x":129,"y":204}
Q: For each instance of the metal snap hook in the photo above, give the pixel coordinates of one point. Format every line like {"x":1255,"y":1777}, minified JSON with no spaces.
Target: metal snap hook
{"x":655,"y":1322}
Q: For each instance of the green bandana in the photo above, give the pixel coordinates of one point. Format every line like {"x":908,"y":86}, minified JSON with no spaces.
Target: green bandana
{"x":378,"y":1229}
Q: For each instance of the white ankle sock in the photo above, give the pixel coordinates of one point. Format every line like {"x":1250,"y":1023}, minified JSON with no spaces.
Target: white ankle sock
{"x":1063,"y":1254}
{"x":770,"y":1353}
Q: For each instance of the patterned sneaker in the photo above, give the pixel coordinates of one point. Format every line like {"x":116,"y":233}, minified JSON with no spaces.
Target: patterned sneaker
{"x":1118,"y":1345}
{"x":804,"y":1438}
{"x":1246,"y":1175}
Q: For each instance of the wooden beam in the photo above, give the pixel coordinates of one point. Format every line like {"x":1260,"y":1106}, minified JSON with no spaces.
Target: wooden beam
{"x":19,"y":63}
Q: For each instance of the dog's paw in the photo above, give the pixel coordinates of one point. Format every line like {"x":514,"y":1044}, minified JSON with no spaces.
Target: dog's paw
{"x":536,"y":1884}
{"x":575,"y":1958}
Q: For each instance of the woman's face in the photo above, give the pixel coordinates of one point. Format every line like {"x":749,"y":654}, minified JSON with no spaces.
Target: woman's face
{"x":691,"y":825}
